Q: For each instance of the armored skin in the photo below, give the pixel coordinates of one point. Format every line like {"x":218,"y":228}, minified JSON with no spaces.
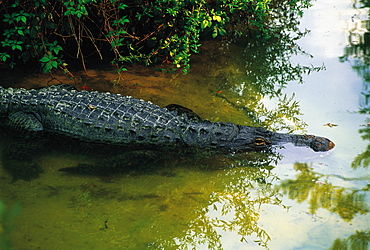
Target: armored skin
{"x":123,"y":120}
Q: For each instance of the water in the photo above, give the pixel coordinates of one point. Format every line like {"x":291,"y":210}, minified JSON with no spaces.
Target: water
{"x":297,"y":199}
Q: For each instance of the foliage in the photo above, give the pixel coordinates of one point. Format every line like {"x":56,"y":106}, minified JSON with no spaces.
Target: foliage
{"x":149,"y":31}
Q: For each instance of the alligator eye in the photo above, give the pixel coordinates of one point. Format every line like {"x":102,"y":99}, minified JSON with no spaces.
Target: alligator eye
{"x":260,"y":142}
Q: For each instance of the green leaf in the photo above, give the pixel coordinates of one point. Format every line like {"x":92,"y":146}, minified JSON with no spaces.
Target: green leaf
{"x":214,"y":33}
{"x":204,"y":24}
{"x":217,"y":18}
{"x":4,"y":56}
{"x":122,"y":6}
{"x":222,"y":32}
{"x":7,"y":18}
{"x":121,"y":70}
{"x":20,"y":32}
{"x":23,"y":19}
{"x":14,"y":47}
{"x":54,"y":64}
{"x":8,"y":33}
{"x":44,"y":59}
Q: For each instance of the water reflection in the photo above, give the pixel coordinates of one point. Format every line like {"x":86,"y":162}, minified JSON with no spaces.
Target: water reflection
{"x":234,"y":206}
{"x":204,"y":197}
{"x":357,"y":53}
{"x":309,"y":187}
{"x":358,"y":241}
{"x":363,"y":159}
{"x":221,"y":193}
{"x":358,"y":50}
{"x":258,"y":70}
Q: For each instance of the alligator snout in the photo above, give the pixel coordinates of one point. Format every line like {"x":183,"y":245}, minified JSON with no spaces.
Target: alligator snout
{"x":321,"y":144}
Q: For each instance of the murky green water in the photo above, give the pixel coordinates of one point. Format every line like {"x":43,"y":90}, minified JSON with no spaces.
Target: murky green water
{"x":294,"y":199}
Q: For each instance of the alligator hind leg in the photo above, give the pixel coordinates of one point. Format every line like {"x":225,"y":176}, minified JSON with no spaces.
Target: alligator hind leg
{"x":17,"y":159}
{"x":184,"y":111}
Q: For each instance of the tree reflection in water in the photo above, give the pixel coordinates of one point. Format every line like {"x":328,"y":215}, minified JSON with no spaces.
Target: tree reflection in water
{"x":309,"y":187}
{"x":232,"y":201}
{"x":358,"y":55}
{"x":261,"y":70}
{"x":358,"y":241}
{"x":233,"y":205}
{"x":363,"y":159}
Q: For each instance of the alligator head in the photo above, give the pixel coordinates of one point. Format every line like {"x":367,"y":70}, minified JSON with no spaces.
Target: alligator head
{"x":317,"y":143}
{"x":256,"y":138}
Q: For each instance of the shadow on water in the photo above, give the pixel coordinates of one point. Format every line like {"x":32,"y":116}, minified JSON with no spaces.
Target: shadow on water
{"x":189,"y":199}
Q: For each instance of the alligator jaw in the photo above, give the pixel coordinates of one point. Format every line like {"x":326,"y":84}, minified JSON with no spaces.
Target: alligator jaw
{"x":316,"y":143}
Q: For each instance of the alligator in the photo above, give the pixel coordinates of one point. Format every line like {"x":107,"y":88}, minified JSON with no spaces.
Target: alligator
{"x":114,"y":119}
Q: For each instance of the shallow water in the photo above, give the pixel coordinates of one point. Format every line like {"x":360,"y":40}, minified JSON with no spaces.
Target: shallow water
{"x":293,"y":199}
